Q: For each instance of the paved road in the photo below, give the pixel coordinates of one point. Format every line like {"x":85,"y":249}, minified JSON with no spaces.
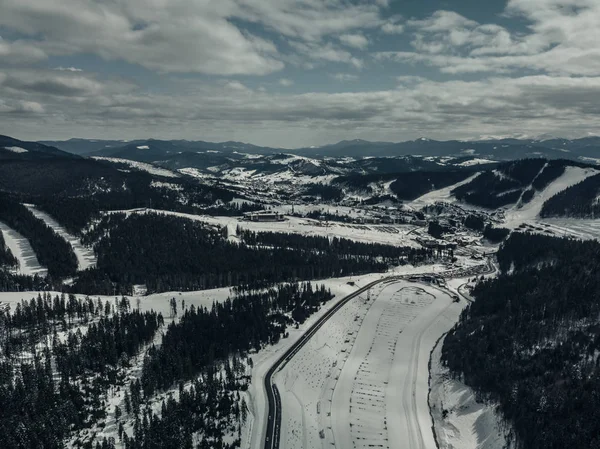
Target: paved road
{"x":273,"y":431}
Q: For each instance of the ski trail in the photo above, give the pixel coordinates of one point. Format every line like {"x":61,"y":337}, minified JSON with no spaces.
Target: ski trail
{"x":85,"y":256}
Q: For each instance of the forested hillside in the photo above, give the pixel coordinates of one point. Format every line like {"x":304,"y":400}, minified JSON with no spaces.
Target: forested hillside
{"x":581,"y":200}
{"x":74,"y":190}
{"x":510,"y":180}
{"x":167,"y":252}
{"x":530,"y":341}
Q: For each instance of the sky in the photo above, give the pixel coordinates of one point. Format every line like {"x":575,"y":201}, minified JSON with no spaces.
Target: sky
{"x":294,"y":73}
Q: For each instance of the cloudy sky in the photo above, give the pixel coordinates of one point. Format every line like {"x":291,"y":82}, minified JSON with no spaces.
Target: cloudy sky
{"x":295,"y":73}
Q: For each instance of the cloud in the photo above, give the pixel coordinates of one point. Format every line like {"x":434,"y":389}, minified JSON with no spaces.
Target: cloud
{"x":344,"y":76}
{"x":68,"y":69}
{"x":175,"y":36}
{"x":563,"y":38}
{"x":326,"y":52}
{"x":20,"y":52}
{"x":354,"y":40}
{"x":393,"y":26}
{"x":286,"y":82}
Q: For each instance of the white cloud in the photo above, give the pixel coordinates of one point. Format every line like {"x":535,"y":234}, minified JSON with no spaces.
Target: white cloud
{"x":354,"y":40}
{"x":68,"y":69}
{"x":326,"y":52}
{"x":286,"y":82}
{"x":20,"y":52}
{"x":393,"y":25}
{"x":563,"y":38}
{"x":344,"y":76}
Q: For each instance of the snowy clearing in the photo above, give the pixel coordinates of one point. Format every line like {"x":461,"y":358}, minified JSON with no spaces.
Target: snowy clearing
{"x":460,"y":422}
{"x":362,"y":380}
{"x":85,"y":256}
{"x":152,"y":169}
{"x":16,"y":149}
{"x":385,"y":234}
{"x":20,"y":248}
{"x":476,"y":161}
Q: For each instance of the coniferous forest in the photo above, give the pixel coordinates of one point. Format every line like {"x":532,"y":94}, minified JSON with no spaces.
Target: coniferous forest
{"x":64,"y":357}
{"x":530,"y":341}
{"x":172,"y":253}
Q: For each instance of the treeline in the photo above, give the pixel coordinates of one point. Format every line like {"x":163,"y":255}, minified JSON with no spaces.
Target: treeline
{"x":530,"y":341}
{"x":6,"y":257}
{"x":173,"y":253}
{"x":10,"y":282}
{"x":52,"y":250}
{"x":62,"y":388}
{"x":237,"y":325}
{"x":495,"y":235}
{"x":579,"y":200}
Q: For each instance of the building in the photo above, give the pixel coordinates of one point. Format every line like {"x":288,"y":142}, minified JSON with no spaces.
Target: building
{"x":264,"y":215}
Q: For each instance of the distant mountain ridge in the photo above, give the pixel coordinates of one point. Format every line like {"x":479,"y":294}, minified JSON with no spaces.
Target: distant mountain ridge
{"x":496,"y":149}
{"x":11,"y":148}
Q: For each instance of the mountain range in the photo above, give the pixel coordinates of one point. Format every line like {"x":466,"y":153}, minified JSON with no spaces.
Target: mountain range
{"x":495,"y":149}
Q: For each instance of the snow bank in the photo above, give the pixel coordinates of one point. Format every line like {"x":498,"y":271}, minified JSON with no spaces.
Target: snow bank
{"x":460,"y":422}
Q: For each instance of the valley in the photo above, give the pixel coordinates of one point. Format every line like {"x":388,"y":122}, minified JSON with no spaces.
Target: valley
{"x":324,"y":286}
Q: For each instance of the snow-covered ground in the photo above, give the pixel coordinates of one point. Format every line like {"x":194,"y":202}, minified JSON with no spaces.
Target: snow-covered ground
{"x":85,"y":256}
{"x":362,"y":380}
{"x":140,"y":166}
{"x":386,"y":234}
{"x":20,"y":248}
{"x":516,"y":215}
{"x":460,"y":422}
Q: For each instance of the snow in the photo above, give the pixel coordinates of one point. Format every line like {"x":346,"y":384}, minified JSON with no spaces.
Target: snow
{"x":475,"y":161}
{"x":16,"y":149}
{"x":166,"y":185}
{"x":362,"y":378}
{"x":467,"y":424}
{"x":85,"y":256}
{"x":143,"y":147}
{"x":140,"y":166}
{"x":516,"y":215}
{"x":20,"y":248}
{"x":443,"y":195}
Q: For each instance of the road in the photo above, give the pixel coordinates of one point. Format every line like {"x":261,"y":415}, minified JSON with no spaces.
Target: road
{"x":273,"y":426}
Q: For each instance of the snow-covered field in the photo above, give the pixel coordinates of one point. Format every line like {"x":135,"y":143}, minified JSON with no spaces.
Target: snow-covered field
{"x":386,"y":234}
{"x":362,"y":380}
{"x":85,"y":256}
{"x":20,"y":248}
{"x":460,"y":422}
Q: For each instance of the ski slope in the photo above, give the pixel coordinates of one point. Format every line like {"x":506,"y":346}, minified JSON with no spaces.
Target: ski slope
{"x":85,"y":256}
{"x":20,"y":248}
{"x":441,"y":195}
{"x":520,"y":214}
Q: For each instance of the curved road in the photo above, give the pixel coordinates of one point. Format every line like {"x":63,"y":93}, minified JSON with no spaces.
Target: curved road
{"x":273,"y":428}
